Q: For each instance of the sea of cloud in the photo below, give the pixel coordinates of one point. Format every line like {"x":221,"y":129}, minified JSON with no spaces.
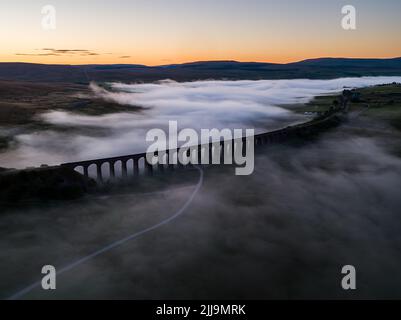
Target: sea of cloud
{"x":197,"y":105}
{"x":284,"y":232}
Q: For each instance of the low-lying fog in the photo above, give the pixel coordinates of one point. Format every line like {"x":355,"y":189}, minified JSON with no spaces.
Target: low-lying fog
{"x":200,"y":104}
{"x":283,"y":232}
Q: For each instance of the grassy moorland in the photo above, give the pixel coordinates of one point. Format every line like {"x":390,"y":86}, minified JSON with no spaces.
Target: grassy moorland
{"x":21,"y":104}
{"x":382,"y":102}
{"x":377,"y":115}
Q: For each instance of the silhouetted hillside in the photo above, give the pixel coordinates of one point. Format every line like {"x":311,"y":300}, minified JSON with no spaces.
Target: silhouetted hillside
{"x":346,"y":62}
{"x":323,"y":68}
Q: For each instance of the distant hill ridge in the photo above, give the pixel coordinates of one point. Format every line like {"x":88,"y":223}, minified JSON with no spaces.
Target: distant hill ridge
{"x":321,"y":68}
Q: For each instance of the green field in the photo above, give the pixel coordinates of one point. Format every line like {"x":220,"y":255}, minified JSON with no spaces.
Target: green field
{"x":381,"y":102}
{"x":384,"y":104}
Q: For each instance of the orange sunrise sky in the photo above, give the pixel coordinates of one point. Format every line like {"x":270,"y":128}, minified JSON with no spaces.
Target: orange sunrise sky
{"x":174,"y":31}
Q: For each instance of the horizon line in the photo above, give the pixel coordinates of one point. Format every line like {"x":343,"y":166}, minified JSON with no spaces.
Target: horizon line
{"x":204,"y":61}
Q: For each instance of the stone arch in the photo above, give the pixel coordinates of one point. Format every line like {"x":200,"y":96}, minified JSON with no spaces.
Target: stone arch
{"x":118,"y":168}
{"x":79,"y":169}
{"x":130,"y":167}
{"x":105,"y":170}
{"x":92,"y":170}
{"x":141,"y":165}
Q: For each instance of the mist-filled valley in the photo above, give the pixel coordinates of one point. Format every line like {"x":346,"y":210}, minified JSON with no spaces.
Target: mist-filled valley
{"x":309,"y":208}
{"x":61,"y":135}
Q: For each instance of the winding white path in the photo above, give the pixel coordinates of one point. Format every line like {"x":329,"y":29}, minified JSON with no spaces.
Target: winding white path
{"x":19,"y":294}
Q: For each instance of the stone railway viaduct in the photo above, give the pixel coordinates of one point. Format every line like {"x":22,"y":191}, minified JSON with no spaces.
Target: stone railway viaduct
{"x":135,"y":164}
